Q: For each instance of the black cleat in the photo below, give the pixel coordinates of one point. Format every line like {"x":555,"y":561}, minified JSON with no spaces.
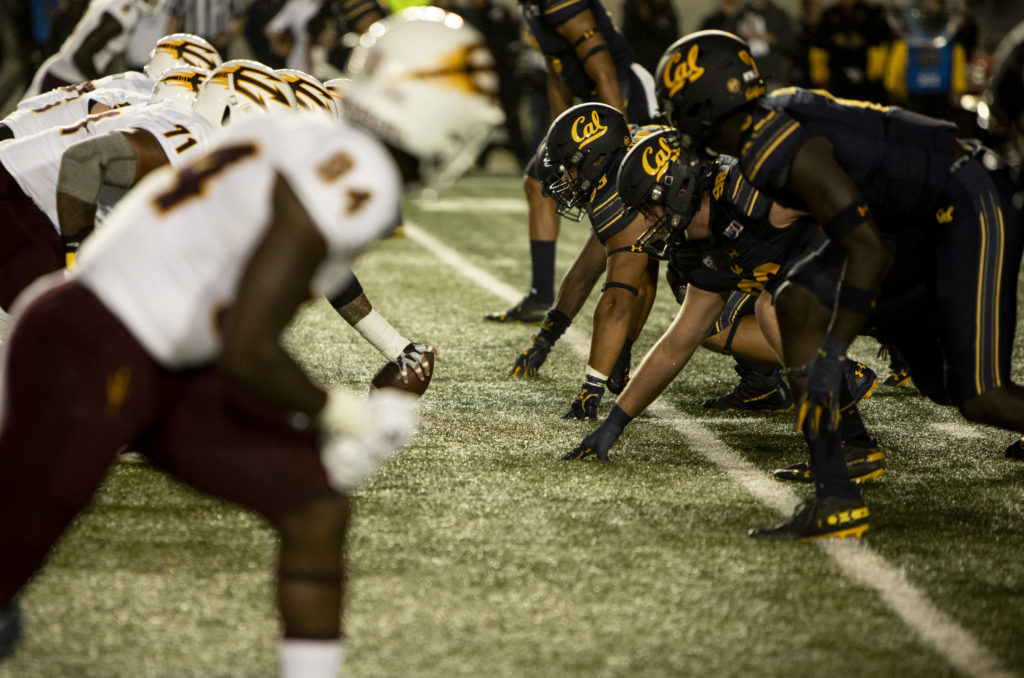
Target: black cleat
{"x":865,"y":464}
{"x":819,"y":518}
{"x":899,"y":372}
{"x":898,"y":377}
{"x":10,"y":629}
{"x":755,"y":392}
{"x":529,"y":311}
{"x":861,"y":381}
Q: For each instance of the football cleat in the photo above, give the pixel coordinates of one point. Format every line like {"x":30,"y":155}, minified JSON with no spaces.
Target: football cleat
{"x":898,"y":377}
{"x":1016,"y":450}
{"x":10,"y":629}
{"x":865,"y":464}
{"x":861,"y":380}
{"x":899,"y":372}
{"x":755,"y":392}
{"x":529,"y":311}
{"x":819,"y":518}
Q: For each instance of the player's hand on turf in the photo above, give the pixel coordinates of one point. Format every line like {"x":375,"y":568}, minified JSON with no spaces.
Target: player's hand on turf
{"x":411,"y":360}
{"x":531,"y":358}
{"x":361,"y":433}
{"x":584,"y":406}
{"x":818,"y":408}
{"x":598,"y":442}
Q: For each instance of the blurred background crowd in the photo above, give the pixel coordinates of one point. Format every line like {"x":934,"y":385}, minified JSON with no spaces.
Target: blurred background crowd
{"x":932,"y":56}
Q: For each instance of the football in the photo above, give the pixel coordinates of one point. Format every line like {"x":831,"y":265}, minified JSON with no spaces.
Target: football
{"x":388,"y":376}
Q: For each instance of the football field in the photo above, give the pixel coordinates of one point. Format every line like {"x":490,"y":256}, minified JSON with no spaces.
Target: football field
{"x":478,"y":552}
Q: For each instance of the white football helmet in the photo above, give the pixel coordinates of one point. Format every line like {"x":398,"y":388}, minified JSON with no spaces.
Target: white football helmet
{"x":179,"y":84}
{"x":241,"y":88}
{"x":424,"y":82}
{"x":337,"y":87}
{"x":310,"y":93}
{"x":181,"y":49}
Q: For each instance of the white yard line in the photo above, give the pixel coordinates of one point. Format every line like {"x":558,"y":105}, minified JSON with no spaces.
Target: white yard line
{"x":505,"y":205}
{"x":855,"y":558}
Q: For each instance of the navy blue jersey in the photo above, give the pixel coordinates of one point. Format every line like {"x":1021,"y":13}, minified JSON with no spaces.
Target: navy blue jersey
{"x":899,"y":160}
{"x":542,"y":17}
{"x":745,"y":251}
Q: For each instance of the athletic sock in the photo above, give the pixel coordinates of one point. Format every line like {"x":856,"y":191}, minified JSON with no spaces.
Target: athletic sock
{"x":308,"y":658}
{"x":542,"y":258}
{"x":831,"y":477}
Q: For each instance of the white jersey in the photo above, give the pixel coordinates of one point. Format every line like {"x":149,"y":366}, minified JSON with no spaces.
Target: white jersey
{"x":136,"y":81}
{"x":72,"y":108}
{"x":34,"y":161}
{"x":62,"y":64}
{"x":172,"y":253}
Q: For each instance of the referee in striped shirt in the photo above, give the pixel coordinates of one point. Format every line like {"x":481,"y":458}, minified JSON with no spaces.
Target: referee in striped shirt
{"x":219,"y":21}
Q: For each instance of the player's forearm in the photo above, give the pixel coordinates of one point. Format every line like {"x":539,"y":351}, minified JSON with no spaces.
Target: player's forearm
{"x":76,"y":217}
{"x":270,"y":372}
{"x":581,"y":277}
{"x":659,"y":368}
{"x":601,"y":70}
{"x":867,"y":259}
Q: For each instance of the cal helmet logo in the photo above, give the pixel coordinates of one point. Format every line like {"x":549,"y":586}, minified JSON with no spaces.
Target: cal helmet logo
{"x":661,"y":157}
{"x":191,"y":53}
{"x":584,"y":132}
{"x":679,"y":73}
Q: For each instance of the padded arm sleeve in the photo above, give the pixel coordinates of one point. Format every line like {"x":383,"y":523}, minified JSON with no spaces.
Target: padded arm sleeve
{"x":86,"y":166}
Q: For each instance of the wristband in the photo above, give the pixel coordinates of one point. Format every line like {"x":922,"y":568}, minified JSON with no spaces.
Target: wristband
{"x":847,"y":219}
{"x":381,"y":335}
{"x":855,"y":299}
{"x":618,"y":418}
{"x":554,"y":326}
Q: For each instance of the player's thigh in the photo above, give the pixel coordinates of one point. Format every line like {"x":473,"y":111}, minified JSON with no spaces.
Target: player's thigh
{"x":228,"y":442}
{"x":977,"y":261}
{"x":77,"y":387}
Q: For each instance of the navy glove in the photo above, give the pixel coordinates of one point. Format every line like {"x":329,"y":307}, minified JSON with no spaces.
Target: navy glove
{"x":818,"y":408}
{"x":601,"y":439}
{"x":584,"y":406}
{"x":531,"y":358}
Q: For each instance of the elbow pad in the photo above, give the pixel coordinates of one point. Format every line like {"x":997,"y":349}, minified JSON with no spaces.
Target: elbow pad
{"x":86,"y":166}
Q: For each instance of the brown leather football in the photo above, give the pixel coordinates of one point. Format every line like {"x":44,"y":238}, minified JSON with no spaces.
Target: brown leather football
{"x":388,"y":376}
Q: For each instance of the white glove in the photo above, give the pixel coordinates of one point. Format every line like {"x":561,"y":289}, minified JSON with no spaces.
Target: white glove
{"x":363,"y":433}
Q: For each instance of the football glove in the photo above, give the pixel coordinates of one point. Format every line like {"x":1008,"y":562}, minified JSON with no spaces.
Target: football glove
{"x":598,"y":442}
{"x":531,"y":358}
{"x":818,"y":408}
{"x":411,"y":358}
{"x":361,"y":433}
{"x":584,"y":406}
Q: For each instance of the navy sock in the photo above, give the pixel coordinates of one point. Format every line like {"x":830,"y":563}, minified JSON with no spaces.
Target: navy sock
{"x":831,"y":477}
{"x":542,"y":258}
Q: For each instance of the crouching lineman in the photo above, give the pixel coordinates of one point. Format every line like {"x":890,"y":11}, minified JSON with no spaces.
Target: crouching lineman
{"x":232,"y":245}
{"x":865,"y":171}
{"x":581,"y":154}
{"x":728,"y":242}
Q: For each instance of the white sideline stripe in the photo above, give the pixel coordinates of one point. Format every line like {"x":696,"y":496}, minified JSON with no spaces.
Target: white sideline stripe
{"x":508,"y":205}
{"x":857,"y":560}
{"x":955,"y":430}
